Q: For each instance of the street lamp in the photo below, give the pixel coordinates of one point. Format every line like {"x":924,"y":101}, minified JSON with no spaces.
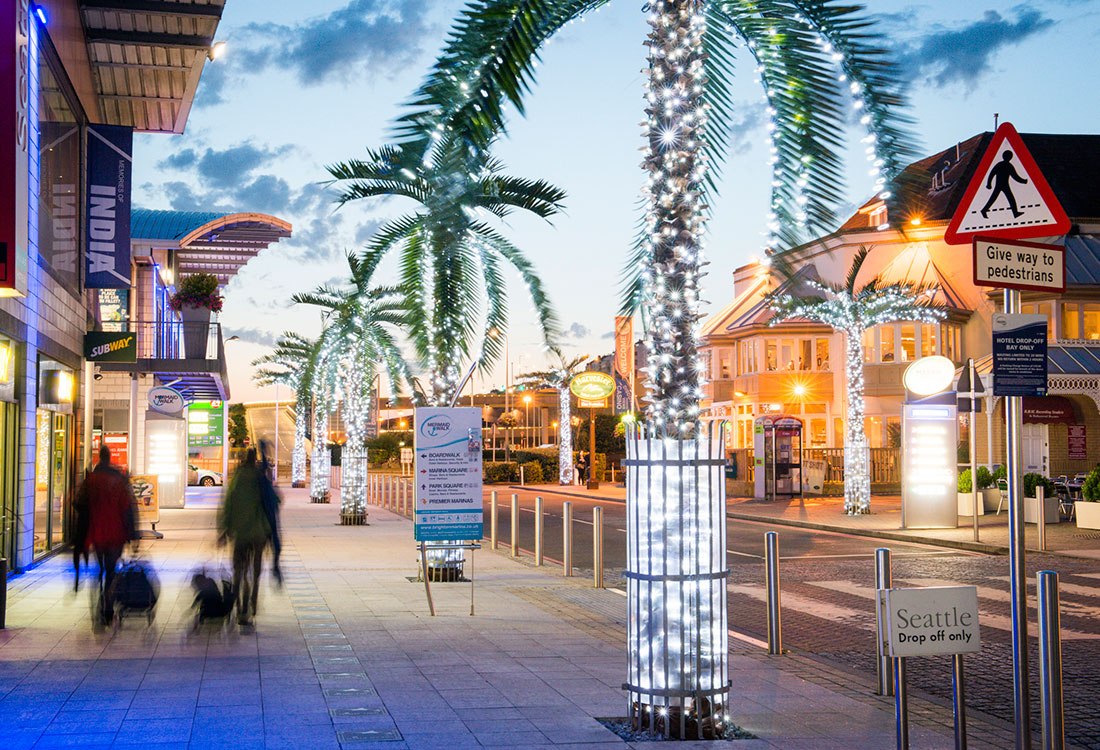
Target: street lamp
{"x":527,"y":419}
{"x":554,"y":432}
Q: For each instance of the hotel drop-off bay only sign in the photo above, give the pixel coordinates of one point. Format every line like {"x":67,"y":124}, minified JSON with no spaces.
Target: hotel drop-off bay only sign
{"x":930,"y":621}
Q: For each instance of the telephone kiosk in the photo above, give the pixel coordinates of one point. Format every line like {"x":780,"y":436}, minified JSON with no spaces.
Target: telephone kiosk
{"x":777,"y":456}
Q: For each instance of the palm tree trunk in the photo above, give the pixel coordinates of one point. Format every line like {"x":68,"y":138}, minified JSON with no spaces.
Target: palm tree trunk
{"x":676,"y":117}
{"x":321,"y":461}
{"x":356,"y":412}
{"x":857,"y":481}
{"x":565,"y":435}
{"x":298,"y":457}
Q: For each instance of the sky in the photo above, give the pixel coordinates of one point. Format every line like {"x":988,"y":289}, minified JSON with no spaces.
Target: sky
{"x":304,"y":85}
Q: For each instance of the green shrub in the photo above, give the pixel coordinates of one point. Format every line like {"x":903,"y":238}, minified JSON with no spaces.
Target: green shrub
{"x":1033,"y":480}
{"x":1000,"y":473}
{"x":964,"y":482}
{"x":506,"y":472}
{"x":985,"y":478}
{"x":532,"y":472}
{"x":1090,"y":490}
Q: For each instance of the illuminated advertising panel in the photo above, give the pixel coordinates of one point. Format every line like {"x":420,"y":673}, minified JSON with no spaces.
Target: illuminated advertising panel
{"x":929,"y":480}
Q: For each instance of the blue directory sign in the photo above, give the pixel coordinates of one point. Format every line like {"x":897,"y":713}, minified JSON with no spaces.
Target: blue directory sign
{"x":1019,"y":355}
{"x":447,"y":474}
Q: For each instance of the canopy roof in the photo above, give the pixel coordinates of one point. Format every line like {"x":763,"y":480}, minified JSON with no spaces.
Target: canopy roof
{"x":207,"y":242}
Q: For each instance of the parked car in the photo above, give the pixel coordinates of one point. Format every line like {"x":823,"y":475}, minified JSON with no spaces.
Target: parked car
{"x":202,"y":477}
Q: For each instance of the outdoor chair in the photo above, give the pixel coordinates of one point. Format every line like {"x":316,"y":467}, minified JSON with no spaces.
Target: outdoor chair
{"x":1002,"y":486}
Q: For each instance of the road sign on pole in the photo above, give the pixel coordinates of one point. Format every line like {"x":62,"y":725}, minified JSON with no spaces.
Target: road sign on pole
{"x":1013,"y":264}
{"x":1008,"y":197}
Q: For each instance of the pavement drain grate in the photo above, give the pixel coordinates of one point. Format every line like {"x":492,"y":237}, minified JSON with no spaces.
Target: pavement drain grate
{"x":370,"y":735}
{"x":337,"y":660}
{"x":325,"y":635}
{"x":312,"y":608}
{"x":337,"y":692}
{"x":330,"y":647}
{"x":343,"y":675}
{"x":363,"y":711}
{"x":316,"y":617}
{"x":318,"y":625}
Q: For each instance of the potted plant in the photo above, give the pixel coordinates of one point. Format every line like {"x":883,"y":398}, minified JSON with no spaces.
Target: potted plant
{"x":966,"y":495}
{"x":991,"y":493}
{"x":1087,"y":509}
{"x":1031,"y":503}
{"x":195,"y":298}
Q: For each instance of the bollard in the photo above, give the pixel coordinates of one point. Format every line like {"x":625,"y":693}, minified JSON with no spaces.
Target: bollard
{"x":538,"y":531}
{"x":884,"y":666}
{"x":567,"y":539}
{"x":958,"y":700}
{"x":901,"y":704}
{"x":771,"y":575}
{"x":597,"y":547}
{"x":493,"y":520}
{"x":521,"y":482}
{"x":1041,"y":521}
{"x":3,"y":592}
{"x":1050,"y":659}
{"x":515,"y":525}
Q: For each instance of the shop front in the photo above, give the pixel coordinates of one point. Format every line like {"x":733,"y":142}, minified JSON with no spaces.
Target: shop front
{"x":53,"y":457}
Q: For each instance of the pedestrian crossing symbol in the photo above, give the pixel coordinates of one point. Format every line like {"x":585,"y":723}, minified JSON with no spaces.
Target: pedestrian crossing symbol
{"x":1008,"y":197}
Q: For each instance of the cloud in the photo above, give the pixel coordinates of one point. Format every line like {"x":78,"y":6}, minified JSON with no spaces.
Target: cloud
{"x":577,"y":331}
{"x":366,"y":231}
{"x":253,"y":335}
{"x":267,"y":194}
{"x":351,"y":43}
{"x":211,"y":85}
{"x":963,"y":55}
{"x":228,"y":167}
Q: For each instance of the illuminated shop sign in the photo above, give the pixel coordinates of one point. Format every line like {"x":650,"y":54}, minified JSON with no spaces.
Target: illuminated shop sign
{"x":929,"y":481}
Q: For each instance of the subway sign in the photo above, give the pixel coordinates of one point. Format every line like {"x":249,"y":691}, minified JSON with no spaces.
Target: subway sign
{"x":103,"y":346}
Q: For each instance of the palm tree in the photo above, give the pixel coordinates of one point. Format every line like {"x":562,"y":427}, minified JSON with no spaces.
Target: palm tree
{"x":810,"y":55}
{"x":558,"y":376}
{"x":852,"y":308}
{"x":291,"y":363}
{"x":358,"y":343}
{"x":450,"y":257}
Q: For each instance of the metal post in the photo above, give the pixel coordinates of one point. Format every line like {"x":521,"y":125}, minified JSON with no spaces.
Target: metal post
{"x":567,"y":538}
{"x":973,"y":445}
{"x":1050,"y":659}
{"x":1041,"y":521}
{"x":597,"y":547}
{"x":538,"y":531}
{"x":3,"y":592}
{"x":958,"y":701}
{"x":884,"y":579}
{"x":771,"y":573}
{"x":901,"y":704}
{"x":515,"y":525}
{"x":521,"y":482}
{"x":424,"y":574}
{"x":493,"y":519}
{"x":1017,"y":580}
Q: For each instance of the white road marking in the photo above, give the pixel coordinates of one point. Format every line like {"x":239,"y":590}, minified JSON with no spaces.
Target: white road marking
{"x":871,"y":554}
{"x":620,"y":592}
{"x":748,"y":639}
{"x":812,"y":607}
{"x":743,"y":554}
{"x":1063,"y":588}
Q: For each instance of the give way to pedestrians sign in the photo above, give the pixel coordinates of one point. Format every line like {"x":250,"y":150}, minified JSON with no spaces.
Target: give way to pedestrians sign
{"x":1014,"y":264}
{"x":1007,"y":197}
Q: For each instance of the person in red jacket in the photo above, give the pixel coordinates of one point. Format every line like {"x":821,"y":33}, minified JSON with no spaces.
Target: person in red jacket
{"x":107,"y":502}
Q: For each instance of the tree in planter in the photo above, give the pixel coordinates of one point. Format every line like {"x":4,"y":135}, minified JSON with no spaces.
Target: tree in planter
{"x":558,"y":376}
{"x":852,"y":308}
{"x":358,"y":343}
{"x":195,"y":299}
{"x":810,"y":55}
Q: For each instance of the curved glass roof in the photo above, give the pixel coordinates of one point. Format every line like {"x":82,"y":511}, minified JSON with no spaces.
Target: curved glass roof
{"x":148,"y":224}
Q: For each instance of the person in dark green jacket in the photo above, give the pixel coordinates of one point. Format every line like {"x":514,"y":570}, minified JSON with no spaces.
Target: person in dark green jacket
{"x":243,"y":521}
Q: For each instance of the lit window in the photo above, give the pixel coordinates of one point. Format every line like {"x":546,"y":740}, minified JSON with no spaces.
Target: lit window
{"x":886,"y":336}
{"x":1071,"y":320}
{"x":771,"y":355}
{"x":823,"y":354}
{"x":1091,"y":327}
{"x":908,"y":342}
{"x":806,"y":358}
{"x":927,"y":339}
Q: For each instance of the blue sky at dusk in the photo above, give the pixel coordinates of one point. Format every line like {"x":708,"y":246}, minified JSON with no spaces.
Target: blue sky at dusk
{"x":302,"y":85}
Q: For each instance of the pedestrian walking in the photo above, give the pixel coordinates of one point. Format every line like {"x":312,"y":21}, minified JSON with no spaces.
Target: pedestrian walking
{"x":271,"y":501}
{"x":582,"y":466}
{"x":242,"y":521}
{"x":107,"y":504}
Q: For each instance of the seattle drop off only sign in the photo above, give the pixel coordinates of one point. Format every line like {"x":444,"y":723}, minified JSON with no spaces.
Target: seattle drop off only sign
{"x":930,"y":621}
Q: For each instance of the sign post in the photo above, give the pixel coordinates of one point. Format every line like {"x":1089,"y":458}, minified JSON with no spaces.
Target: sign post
{"x":1009,"y":199}
{"x":592,"y":388}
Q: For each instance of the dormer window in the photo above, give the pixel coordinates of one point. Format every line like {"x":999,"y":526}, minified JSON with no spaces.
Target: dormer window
{"x":876,"y":214}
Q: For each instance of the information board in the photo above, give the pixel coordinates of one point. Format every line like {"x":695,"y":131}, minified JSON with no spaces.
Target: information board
{"x":931,"y":621}
{"x":204,"y":424}
{"x":1077,"y":442}
{"x":447,"y":444}
{"x":1019,"y":354}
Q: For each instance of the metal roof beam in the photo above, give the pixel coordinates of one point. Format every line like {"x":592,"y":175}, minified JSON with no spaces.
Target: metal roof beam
{"x":114,"y":36}
{"x":143,"y":66}
{"x":130,"y":98}
{"x":154,"y":6}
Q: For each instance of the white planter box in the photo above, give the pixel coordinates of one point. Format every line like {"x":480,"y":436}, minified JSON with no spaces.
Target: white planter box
{"x":966,"y":504}
{"x":1088,"y":514}
{"x":991,"y":498}
{"x":1050,"y":506}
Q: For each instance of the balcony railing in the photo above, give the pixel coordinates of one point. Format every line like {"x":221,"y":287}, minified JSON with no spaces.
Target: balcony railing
{"x":175,"y":339}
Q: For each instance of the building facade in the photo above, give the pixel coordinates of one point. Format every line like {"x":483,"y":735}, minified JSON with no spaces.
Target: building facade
{"x":756,"y":367}
{"x":77,"y":80}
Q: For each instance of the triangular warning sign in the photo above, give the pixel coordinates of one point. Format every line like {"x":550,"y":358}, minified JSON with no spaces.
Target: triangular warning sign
{"x":1008,"y":197}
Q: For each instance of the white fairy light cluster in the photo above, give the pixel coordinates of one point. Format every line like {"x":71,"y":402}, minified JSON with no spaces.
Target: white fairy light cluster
{"x":298,"y":456}
{"x":565,"y":432}
{"x":852,"y":314}
{"x":357,"y":411}
{"x":320,"y":460}
{"x":676,"y":121}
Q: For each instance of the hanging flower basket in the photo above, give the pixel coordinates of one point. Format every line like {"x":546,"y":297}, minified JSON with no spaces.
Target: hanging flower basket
{"x":195,"y":299}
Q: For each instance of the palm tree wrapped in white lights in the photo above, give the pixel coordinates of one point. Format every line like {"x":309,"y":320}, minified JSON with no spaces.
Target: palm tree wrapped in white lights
{"x":292,"y":364}
{"x":852,"y":308}
{"x":558,"y":377}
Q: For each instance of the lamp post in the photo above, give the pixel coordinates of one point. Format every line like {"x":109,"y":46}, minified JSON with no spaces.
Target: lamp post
{"x":554,"y":432}
{"x":527,"y":420}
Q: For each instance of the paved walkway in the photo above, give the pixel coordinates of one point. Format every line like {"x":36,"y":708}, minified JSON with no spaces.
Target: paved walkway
{"x":347,"y":656}
{"x":884,"y":522}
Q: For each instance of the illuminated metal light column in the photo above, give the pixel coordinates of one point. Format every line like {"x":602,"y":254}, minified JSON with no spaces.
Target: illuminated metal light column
{"x":676,"y":583}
